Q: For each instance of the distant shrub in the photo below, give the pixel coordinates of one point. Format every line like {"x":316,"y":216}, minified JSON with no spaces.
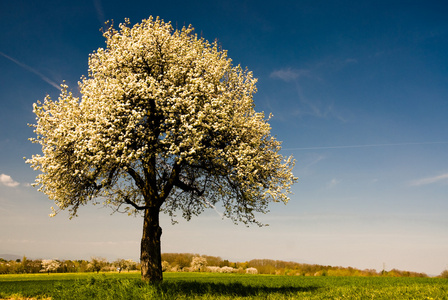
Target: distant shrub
{"x":198,"y":264}
{"x":227,"y":270}
{"x":165,"y":266}
{"x":50,"y":265}
{"x":444,"y":274}
{"x":251,"y":271}
{"x":213,"y":269}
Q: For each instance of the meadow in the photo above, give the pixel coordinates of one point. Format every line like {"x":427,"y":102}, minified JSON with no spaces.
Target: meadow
{"x":217,"y":286}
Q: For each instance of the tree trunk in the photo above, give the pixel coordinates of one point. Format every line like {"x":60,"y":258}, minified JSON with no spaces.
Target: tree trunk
{"x":150,"y":254}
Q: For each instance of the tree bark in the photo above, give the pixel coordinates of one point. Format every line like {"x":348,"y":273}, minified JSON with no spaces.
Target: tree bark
{"x":150,"y":254}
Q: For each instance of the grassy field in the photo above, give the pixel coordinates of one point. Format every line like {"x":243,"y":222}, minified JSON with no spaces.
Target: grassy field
{"x":217,"y":286}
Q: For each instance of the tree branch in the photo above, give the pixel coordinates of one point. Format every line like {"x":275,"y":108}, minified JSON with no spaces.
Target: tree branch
{"x":188,"y":188}
{"x":174,"y":177}
{"x":138,"y":180}
{"x":110,"y":177}
{"x":138,"y":207}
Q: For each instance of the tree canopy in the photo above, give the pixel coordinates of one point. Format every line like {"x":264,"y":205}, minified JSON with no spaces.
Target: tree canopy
{"x":164,"y":122}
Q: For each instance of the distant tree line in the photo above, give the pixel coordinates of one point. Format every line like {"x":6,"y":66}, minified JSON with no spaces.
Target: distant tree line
{"x":278,"y":267}
{"x":96,"y":264}
{"x":189,"y":262}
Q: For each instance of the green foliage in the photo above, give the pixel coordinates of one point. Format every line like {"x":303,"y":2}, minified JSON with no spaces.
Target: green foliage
{"x":66,"y":266}
{"x":181,"y":260}
{"x":279,"y":267}
{"x":444,"y":274}
{"x":219,"y":286}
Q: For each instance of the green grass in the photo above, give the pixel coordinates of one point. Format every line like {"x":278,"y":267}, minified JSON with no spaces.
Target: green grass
{"x":218,"y":286}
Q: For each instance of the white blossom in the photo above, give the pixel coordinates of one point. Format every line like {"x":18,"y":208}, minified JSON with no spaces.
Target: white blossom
{"x":251,"y":271}
{"x":163,"y":121}
{"x":156,"y":93}
{"x":198,"y":263}
{"x":226,"y":269}
{"x":50,"y":265}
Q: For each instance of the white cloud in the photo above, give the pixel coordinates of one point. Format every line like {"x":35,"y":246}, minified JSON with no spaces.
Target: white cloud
{"x":289,"y":74}
{"x":8,"y":181}
{"x":306,"y":106}
{"x":351,"y":61}
{"x":430,"y":180}
{"x":334,"y":182}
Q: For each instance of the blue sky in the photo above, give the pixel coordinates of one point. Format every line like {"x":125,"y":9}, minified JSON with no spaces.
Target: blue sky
{"x":359,"y":95}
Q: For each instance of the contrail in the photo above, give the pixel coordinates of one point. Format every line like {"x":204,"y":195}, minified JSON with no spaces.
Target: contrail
{"x":365,"y":146}
{"x":99,"y":11}
{"x":212,"y":206}
{"x":28,"y":68}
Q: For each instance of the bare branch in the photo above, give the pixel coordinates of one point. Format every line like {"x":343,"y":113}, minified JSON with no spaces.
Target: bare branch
{"x":138,"y":207}
{"x":137,"y":178}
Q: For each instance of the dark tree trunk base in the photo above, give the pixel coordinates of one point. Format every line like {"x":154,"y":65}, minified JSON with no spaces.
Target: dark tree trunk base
{"x":150,"y":254}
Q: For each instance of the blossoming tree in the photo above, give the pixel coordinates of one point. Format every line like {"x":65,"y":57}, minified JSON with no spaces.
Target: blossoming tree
{"x":164,"y":123}
{"x":50,"y":265}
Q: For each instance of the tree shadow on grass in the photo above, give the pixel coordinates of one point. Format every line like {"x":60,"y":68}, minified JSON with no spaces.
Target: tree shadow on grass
{"x":194,"y":288}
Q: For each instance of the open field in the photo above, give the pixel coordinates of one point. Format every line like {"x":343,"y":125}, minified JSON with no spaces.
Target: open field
{"x":217,"y":286}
